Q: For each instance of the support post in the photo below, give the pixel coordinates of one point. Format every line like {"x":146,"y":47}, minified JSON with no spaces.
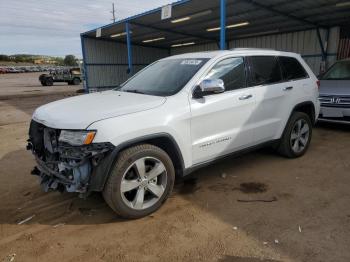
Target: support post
{"x":128,"y":43}
{"x":85,"y":73}
{"x":323,"y":51}
{"x":222,"y":24}
{"x":326,"y":49}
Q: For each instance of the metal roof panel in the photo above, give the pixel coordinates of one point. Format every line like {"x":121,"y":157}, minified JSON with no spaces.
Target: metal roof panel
{"x":263,"y":15}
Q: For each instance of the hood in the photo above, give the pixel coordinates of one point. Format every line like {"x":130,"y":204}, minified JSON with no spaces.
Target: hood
{"x":335,"y":87}
{"x":81,"y":111}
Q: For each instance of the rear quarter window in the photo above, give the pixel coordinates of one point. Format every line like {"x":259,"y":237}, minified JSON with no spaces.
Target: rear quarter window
{"x":292,"y":69}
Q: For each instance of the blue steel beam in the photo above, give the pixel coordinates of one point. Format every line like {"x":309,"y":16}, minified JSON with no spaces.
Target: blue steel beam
{"x":223,"y":24}
{"x":128,"y":43}
{"x":123,"y":42}
{"x":128,"y":19}
{"x":171,"y":31}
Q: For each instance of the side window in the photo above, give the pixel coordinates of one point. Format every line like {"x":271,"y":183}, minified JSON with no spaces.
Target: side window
{"x":292,"y":69}
{"x":264,"y":70}
{"x":231,"y":71}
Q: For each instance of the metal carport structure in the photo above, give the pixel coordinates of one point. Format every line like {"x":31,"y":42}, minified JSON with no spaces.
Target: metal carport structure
{"x":310,"y":27}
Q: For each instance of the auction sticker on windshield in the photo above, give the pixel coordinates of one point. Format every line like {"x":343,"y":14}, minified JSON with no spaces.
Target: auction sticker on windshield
{"x":191,"y":62}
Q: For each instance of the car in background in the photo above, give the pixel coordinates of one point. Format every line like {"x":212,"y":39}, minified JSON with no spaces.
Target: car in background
{"x":23,"y":69}
{"x":335,"y":93}
{"x":26,"y":69}
{"x":3,"y":70}
{"x":13,"y":70}
{"x":40,"y":69}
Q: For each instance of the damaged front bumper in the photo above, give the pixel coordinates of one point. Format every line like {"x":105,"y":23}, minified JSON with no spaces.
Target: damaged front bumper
{"x":63,"y":167}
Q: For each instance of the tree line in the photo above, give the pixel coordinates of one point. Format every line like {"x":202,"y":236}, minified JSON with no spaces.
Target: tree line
{"x":68,"y":60}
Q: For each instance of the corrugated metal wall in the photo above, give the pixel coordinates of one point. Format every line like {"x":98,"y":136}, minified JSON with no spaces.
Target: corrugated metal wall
{"x":303,"y":42}
{"x":106,"y":62}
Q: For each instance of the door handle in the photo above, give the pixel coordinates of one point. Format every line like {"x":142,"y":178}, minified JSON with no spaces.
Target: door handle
{"x":245,"y":97}
{"x":287,"y":88}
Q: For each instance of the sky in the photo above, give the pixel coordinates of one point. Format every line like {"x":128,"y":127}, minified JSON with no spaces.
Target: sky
{"x":53,"y":27}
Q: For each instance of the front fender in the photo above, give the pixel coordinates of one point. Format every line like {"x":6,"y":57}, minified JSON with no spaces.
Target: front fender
{"x":101,"y":173}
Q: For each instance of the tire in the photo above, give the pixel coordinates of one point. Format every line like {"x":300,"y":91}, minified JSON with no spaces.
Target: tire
{"x":140,"y":195}
{"x":297,"y":136}
{"x":75,"y":81}
{"x":49,"y":81}
{"x":43,"y":83}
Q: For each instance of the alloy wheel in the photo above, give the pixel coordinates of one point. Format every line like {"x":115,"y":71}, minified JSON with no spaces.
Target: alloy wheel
{"x":300,"y":136}
{"x":143,"y":183}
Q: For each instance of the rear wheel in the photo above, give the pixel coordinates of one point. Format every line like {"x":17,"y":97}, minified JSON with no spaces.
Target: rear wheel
{"x":49,"y":81}
{"x":297,"y":136}
{"x":140,"y":181}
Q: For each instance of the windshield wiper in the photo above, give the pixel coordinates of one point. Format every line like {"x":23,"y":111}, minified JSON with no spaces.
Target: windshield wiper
{"x":134,"y":91}
{"x":117,"y":88}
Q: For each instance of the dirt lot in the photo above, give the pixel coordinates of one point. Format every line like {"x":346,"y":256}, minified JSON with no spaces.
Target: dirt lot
{"x":308,"y":218}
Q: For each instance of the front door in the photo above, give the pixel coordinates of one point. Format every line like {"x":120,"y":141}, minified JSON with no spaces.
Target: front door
{"x":221,"y":123}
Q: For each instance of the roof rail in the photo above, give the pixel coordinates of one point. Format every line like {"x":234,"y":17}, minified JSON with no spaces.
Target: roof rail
{"x":250,"y":48}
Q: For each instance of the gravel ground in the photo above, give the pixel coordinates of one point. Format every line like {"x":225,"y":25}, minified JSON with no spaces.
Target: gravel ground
{"x":305,"y":216}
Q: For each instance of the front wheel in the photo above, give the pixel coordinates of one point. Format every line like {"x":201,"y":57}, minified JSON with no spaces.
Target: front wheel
{"x":75,"y":81}
{"x":297,"y":136}
{"x":140,"y":181}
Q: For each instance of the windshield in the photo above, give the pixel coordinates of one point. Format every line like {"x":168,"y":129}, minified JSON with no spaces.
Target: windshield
{"x":339,"y":71}
{"x":164,"y":77}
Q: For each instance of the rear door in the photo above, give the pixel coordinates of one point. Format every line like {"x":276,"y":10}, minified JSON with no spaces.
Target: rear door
{"x":296,"y":77}
{"x":273,"y":96}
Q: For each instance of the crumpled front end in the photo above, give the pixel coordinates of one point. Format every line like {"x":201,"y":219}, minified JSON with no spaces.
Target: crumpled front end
{"x":61,"y":166}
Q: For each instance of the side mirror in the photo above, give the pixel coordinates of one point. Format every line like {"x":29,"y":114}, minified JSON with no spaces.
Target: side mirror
{"x":209,"y":86}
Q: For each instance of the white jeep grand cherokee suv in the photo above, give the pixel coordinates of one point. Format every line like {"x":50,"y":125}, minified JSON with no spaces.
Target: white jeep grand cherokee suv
{"x":176,"y":115}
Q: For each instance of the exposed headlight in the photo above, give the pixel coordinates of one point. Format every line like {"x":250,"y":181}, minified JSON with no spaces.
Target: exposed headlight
{"x":77,"y":138}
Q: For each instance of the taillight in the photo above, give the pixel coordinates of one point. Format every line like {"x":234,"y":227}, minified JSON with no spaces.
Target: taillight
{"x":318,"y":84}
